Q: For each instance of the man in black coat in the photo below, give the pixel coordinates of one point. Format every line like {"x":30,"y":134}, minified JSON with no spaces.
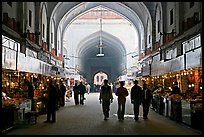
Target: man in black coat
{"x":51,"y":102}
{"x":146,"y":100}
{"x":76,"y":94}
{"x":106,"y":98}
{"x":136,"y":98}
{"x":63,"y":91}
{"x":82,"y":90}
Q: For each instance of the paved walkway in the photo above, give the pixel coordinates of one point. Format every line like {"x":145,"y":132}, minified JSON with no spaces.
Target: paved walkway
{"x":87,"y":119}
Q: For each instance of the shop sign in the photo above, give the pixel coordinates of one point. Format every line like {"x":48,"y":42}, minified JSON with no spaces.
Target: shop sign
{"x":8,"y":58}
{"x":174,"y":65}
{"x":146,"y":70}
{"x":157,"y":69}
{"x":194,"y":59}
{"x":28,"y":64}
{"x":45,"y":68}
{"x":31,"y":53}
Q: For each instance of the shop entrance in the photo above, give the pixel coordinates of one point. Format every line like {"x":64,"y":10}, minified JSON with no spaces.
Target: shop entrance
{"x":98,"y":80}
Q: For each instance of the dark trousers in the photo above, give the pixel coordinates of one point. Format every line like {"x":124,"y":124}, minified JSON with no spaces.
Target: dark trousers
{"x":76,"y":99}
{"x":121,"y":110}
{"x":145,"y":106}
{"x":106,"y":108}
{"x":32,"y":105}
{"x":82,"y":99}
{"x":136,"y":107}
{"x":63,"y":100}
{"x":51,"y":113}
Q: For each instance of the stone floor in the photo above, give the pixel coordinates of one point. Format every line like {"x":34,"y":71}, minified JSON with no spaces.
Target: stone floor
{"x":87,"y":119}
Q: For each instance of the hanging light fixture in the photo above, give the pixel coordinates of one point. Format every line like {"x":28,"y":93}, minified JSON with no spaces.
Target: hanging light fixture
{"x":100,"y":54}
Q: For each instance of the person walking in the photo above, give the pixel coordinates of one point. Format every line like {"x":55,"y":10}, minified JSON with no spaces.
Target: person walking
{"x":147,"y":97}
{"x":121,"y":92}
{"x":82,"y":90}
{"x":76,"y":94}
{"x":63,"y":91}
{"x":136,"y":98}
{"x":51,"y":103}
{"x":106,"y":98}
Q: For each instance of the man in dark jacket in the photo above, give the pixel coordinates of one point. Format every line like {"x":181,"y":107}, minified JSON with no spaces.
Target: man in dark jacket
{"x":136,"y":98}
{"x":63,"y":91}
{"x":76,"y":94}
{"x":82,"y":90}
{"x":106,"y":98}
{"x":146,"y":100}
{"x":121,"y":92}
{"x":51,"y":102}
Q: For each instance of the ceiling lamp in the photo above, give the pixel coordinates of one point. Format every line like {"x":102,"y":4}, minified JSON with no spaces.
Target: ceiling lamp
{"x":100,"y":54}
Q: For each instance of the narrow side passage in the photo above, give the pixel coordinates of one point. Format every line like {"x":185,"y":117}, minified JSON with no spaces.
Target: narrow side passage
{"x":87,"y":119}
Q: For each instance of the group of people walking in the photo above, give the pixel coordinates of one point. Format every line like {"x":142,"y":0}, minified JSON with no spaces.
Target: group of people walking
{"x":79,"y":91}
{"x":138,"y":95}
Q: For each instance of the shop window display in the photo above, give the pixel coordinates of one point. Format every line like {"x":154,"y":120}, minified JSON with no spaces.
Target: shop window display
{"x":178,"y":106}
{"x":15,"y":95}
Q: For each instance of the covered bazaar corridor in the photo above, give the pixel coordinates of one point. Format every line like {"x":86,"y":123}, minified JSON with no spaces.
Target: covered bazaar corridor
{"x":157,"y":43}
{"x":87,"y":119}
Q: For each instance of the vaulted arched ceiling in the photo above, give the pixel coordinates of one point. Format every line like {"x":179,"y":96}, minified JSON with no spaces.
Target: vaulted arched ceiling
{"x":113,"y":49}
{"x":136,"y":12}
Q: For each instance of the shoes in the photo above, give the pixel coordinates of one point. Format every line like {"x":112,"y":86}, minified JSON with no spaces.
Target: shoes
{"x":136,"y":118}
{"x":105,"y":118}
{"x":121,"y":118}
{"x":145,"y":117}
{"x":47,"y":121}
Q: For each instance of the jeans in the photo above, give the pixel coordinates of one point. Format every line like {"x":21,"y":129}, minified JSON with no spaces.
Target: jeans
{"x":121,"y":110}
{"x":106,"y":108}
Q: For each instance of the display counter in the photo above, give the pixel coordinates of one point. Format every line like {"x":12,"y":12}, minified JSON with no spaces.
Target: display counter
{"x":176,"y":110}
{"x":160,"y":106}
{"x":186,"y":112}
{"x":192,"y":113}
{"x":9,"y":118}
{"x":22,"y":105}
